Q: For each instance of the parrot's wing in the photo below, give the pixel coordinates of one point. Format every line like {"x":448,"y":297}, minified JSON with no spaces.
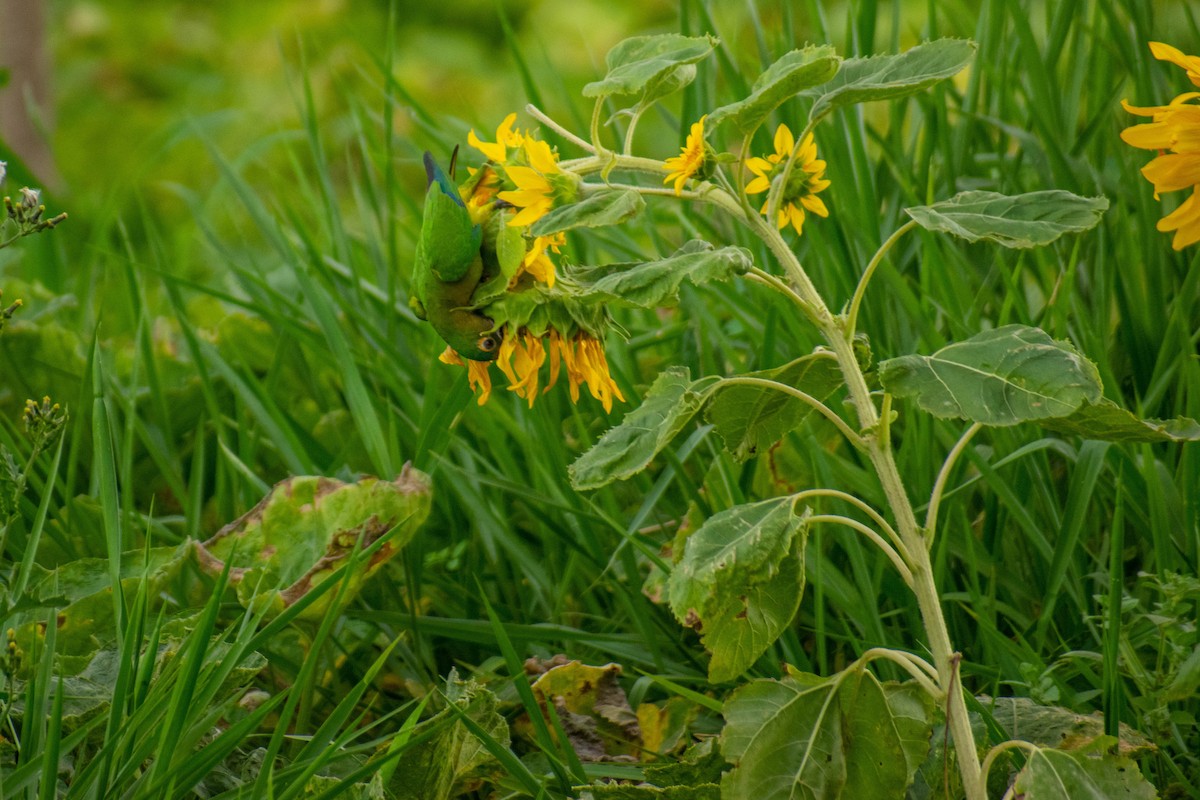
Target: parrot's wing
{"x":449,"y":239}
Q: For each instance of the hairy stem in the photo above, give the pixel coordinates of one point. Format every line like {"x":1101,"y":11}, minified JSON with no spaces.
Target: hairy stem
{"x":879,"y":451}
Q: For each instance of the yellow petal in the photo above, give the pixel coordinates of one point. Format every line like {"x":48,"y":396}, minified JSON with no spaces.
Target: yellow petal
{"x":815,"y":205}
{"x":1185,"y":221}
{"x":530,"y":214}
{"x":506,"y":135}
{"x":494,"y":151}
{"x":540,"y":156}
{"x":797,"y":215}
{"x":784,"y":141}
{"x":759,"y":184}
{"x":1173,"y":171}
{"x":1165,"y":52}
{"x":1150,"y":136}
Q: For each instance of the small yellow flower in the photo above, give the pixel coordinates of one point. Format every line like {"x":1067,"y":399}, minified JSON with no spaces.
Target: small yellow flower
{"x":690,"y":159}
{"x":506,"y":137}
{"x":1175,"y":133}
{"x":535,"y":191}
{"x":806,"y":180}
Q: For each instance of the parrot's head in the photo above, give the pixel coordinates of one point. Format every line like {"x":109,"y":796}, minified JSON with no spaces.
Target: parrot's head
{"x":471,"y":335}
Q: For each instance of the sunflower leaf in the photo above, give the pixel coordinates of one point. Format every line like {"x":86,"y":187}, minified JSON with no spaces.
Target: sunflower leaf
{"x":787,"y":77}
{"x":652,"y":284}
{"x":740,"y":580}
{"x":1059,"y":775}
{"x":752,"y":418}
{"x":627,"y":449}
{"x":1024,"y":220}
{"x":1109,"y":422}
{"x":605,"y":207}
{"x":846,"y":736}
{"x":888,"y":77}
{"x":635,"y":62}
{"x":1000,"y":377}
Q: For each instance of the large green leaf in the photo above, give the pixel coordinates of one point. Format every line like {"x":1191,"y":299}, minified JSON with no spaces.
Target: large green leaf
{"x":752,"y":418}
{"x":1023,"y":220}
{"x":307,"y":527}
{"x":861,"y":80}
{"x":1075,"y":775}
{"x":652,"y":284}
{"x":1109,"y":422}
{"x":628,"y":448}
{"x":999,"y":377}
{"x":605,"y":207}
{"x":740,"y":581}
{"x":847,"y":737}
{"x":636,"y":62}
{"x":787,"y":77}
{"x":1060,"y":728}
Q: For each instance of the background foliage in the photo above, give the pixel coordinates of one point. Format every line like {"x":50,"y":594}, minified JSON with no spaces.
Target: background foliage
{"x":226,"y":307}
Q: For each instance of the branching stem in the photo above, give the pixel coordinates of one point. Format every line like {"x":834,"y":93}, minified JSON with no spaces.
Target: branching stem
{"x":876,"y":539}
{"x":920,"y":669}
{"x":862,"y":506}
{"x":939,"y":486}
{"x":541,"y":117}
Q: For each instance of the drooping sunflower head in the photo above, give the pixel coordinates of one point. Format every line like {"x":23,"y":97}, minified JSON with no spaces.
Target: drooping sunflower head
{"x":806,"y":179}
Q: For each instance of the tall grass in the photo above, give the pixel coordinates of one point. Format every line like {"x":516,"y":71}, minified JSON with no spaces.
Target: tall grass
{"x":284,"y":345}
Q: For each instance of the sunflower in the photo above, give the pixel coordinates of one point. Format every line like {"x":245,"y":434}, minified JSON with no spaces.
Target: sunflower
{"x":1174,"y":131}
{"x":806,"y":180}
{"x":691,"y":158}
{"x":523,"y":354}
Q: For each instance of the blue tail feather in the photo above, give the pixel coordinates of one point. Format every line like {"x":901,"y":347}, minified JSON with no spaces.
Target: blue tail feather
{"x":434,"y":173}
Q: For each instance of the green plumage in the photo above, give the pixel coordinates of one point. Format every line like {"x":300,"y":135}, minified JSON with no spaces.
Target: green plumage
{"x":448,"y":269}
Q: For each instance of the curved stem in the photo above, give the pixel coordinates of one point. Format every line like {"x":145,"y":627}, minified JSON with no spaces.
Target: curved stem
{"x":543,"y":118}
{"x":594,"y":129}
{"x":920,"y":669}
{"x":876,"y":260}
{"x":861,"y":505}
{"x":875,"y":538}
{"x":817,"y":405}
{"x":994,"y":753}
{"x":633,"y":122}
{"x":939,"y":486}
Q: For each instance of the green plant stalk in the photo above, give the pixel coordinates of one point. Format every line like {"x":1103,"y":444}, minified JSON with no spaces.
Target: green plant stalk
{"x":878,"y":449}
{"x":875,"y":441}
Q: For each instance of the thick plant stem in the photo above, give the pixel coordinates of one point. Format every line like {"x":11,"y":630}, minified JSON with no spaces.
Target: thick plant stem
{"x":911,"y":534}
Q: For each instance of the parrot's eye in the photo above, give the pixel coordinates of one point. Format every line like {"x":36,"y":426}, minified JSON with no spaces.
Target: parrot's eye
{"x":489,"y":343}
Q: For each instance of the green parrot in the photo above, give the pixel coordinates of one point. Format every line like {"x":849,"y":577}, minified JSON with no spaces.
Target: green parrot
{"x":448,"y":268}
